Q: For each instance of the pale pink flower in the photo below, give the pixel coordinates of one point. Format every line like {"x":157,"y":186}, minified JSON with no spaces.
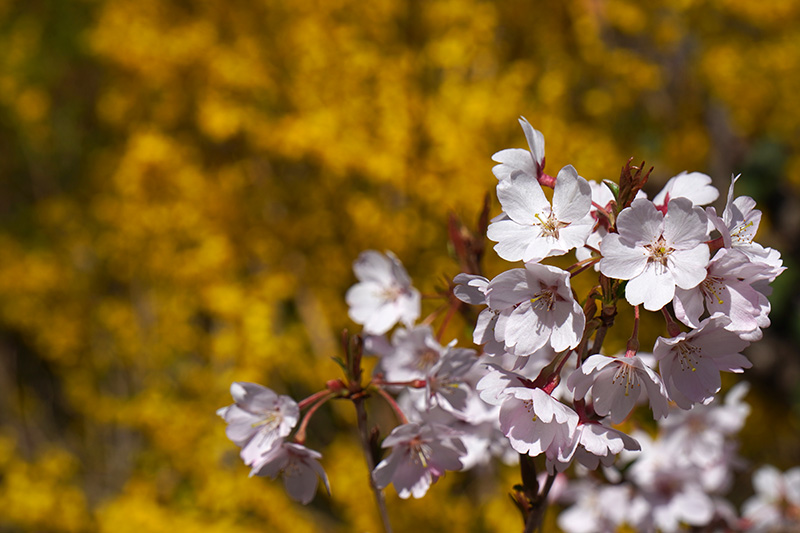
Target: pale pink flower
{"x":421,"y":453}
{"x":297,"y":465}
{"x":738,"y":227}
{"x":657,"y":252}
{"x":599,"y":444}
{"x":531,"y":229}
{"x":690,"y":363}
{"x":726,"y":290}
{"x":384,"y":295}
{"x":776,"y":504}
{"x":258,"y":419}
{"x":538,"y":309}
{"x":536,"y":423}
{"x":616,"y":385}
{"x":694,"y":186}
{"x":514,"y":161}
{"x":412,"y":354}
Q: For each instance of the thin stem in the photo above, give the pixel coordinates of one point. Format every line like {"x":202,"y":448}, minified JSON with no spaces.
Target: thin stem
{"x":536,"y":515}
{"x":454,"y":305}
{"x":431,"y":317}
{"x":599,"y":337}
{"x":633,"y":342}
{"x":584,"y":268}
{"x":363,"y":432}
{"x":588,"y":260}
{"x":393,"y":404}
{"x":313,"y":398}
{"x":672,"y":328}
{"x":300,"y":436}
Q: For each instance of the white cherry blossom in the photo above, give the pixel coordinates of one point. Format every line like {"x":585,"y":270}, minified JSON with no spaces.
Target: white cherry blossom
{"x":657,"y":252}
{"x":258,"y":419}
{"x":532,"y":229}
{"x":384,"y":295}
{"x":536,"y":423}
{"x":538,"y":309}
{"x":514,"y":161}
{"x":421,"y":453}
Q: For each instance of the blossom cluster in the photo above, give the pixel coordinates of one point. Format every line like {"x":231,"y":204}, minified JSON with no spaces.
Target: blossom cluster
{"x":540,"y":384}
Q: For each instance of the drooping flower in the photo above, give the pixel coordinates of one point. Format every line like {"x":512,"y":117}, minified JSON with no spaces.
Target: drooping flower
{"x":538,"y":309}
{"x":384,"y":295}
{"x":421,"y":453}
{"x":536,"y":423}
{"x":616,"y":385}
{"x":657,"y":252}
{"x":531,"y":229}
{"x":297,"y":465}
{"x":690,"y":363}
{"x":258,"y":419}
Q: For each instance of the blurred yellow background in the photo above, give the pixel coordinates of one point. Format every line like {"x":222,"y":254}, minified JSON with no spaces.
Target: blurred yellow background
{"x":185,"y":185}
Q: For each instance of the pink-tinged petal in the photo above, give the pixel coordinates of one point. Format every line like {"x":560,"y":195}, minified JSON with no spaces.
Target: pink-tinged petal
{"x":698,"y":379}
{"x":524,"y":332}
{"x":512,"y":238}
{"x":508,"y":289}
{"x":301,"y":484}
{"x":684,"y":225}
{"x":641,"y":223}
{"x":572,"y":195}
{"x":688,"y":267}
{"x":734,"y":362}
{"x":535,"y":141}
{"x":689,"y":306}
{"x":373,"y":266}
{"x":522,"y":199}
{"x":470,"y":288}
{"x":569,"y":322}
{"x":654,"y":287}
{"x":620,"y":259}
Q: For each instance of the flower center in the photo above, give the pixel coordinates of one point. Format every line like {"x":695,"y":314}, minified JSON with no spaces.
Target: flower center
{"x":626,"y":378}
{"x":550,"y":226}
{"x":743,"y":234}
{"x":427,"y":358}
{"x":658,"y":251}
{"x":544,"y":300}
{"x":713,"y":288}
{"x":688,"y":356}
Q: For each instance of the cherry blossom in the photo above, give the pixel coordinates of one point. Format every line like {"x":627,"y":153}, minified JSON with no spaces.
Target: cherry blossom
{"x":531,"y":229}
{"x":384,"y":295}
{"x":258,"y":419}
{"x":726,"y":290}
{"x":616,"y":385}
{"x":421,"y":453}
{"x":536,"y":423}
{"x":514,"y":161}
{"x":297,"y":465}
{"x":694,"y":186}
{"x":657,"y":252}
{"x":776,"y":504}
{"x":538,"y":309}
{"x":690,"y":363}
